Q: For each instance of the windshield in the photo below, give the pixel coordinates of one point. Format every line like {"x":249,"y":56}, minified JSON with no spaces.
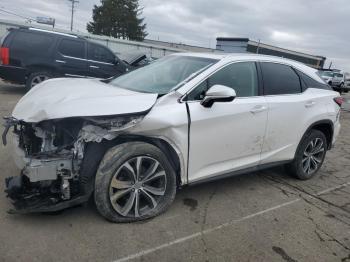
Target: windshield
{"x":163,"y":75}
{"x":327,"y":73}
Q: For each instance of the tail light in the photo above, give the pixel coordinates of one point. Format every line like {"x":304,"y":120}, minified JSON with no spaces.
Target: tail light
{"x":5,"y":55}
{"x":339,"y":100}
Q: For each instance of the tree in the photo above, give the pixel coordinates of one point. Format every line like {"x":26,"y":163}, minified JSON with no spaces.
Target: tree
{"x":118,"y":18}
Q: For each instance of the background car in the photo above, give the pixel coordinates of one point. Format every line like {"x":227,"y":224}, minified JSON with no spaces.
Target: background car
{"x":29,"y":56}
{"x":338,"y":81}
{"x":347,"y":82}
{"x":335,"y":79}
{"x":135,"y":59}
{"x":327,"y":76}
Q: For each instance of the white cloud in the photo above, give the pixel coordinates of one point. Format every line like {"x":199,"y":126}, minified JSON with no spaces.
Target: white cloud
{"x":284,"y":37}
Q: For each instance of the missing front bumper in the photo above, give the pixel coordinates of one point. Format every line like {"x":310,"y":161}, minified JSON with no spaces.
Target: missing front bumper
{"x":27,"y":199}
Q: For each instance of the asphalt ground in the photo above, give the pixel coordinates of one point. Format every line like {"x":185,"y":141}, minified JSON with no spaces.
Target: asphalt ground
{"x":262,"y":216}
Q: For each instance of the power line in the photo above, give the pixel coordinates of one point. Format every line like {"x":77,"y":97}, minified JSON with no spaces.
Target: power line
{"x":12,"y":13}
{"x":73,"y":7}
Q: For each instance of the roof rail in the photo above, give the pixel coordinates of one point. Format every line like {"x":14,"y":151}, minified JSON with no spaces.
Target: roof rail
{"x":52,"y":32}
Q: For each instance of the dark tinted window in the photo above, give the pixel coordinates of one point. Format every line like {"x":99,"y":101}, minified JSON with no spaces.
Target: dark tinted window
{"x":100,"y":53}
{"x":311,"y":83}
{"x":74,"y":48}
{"x":32,"y":42}
{"x":241,"y":77}
{"x":280,"y":79}
{"x":2,"y":40}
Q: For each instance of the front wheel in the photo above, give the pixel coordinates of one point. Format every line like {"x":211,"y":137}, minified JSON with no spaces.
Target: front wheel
{"x":134,"y":181}
{"x":309,"y":156}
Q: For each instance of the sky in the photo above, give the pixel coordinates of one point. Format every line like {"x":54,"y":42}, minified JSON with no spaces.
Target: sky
{"x":318,"y":27}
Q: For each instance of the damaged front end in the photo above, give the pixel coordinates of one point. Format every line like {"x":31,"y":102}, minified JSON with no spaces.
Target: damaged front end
{"x":50,"y":155}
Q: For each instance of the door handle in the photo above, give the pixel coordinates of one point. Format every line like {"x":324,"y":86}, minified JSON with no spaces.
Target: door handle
{"x":310,"y":104}
{"x":60,"y":61}
{"x":258,"y":109}
{"x":92,"y":66}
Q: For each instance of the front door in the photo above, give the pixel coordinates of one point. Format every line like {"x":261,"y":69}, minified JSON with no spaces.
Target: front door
{"x":229,"y":135}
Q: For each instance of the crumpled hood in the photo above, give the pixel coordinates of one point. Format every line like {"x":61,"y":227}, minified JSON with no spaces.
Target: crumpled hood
{"x":72,"y":97}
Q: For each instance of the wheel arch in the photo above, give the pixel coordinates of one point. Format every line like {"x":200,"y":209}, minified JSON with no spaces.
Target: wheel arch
{"x":94,"y":153}
{"x":326,"y":126}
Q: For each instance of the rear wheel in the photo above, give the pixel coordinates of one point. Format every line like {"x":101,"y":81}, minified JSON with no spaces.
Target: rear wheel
{"x":309,"y":156}
{"x":36,"y":78}
{"x":134,"y":181}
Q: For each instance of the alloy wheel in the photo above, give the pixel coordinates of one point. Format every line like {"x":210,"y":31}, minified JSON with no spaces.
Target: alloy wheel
{"x":137,"y":187}
{"x":38,"y":79}
{"x":313,"y":156}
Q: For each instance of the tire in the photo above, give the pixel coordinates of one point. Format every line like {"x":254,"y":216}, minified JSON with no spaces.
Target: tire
{"x":117,"y":192}
{"x":36,"y":78}
{"x":298,"y":168}
{"x":341,"y":87}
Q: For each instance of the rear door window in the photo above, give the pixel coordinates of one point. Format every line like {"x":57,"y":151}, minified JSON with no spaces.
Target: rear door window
{"x":72,"y":48}
{"x":32,"y":42}
{"x":280,"y":79}
{"x":100,"y":54}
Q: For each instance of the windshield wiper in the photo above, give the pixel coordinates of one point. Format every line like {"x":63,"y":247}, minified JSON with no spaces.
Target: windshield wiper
{"x":191,"y":76}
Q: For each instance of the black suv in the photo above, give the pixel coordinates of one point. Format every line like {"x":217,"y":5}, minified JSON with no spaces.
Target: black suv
{"x":29,"y":56}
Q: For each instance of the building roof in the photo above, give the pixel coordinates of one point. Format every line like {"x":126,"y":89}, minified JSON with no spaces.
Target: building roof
{"x":276,"y":48}
{"x":238,"y":39}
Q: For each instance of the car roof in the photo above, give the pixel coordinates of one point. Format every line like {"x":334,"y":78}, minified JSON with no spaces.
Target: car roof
{"x":240,"y":56}
{"x":38,"y":30}
{"x":231,"y":57}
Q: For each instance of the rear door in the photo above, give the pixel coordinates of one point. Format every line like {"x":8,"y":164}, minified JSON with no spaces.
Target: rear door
{"x":71,"y":58}
{"x":102,"y":62}
{"x":290,"y":110}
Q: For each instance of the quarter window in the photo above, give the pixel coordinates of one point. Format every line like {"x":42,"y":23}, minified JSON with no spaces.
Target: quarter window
{"x":100,"y":53}
{"x":72,"y":48}
{"x":34,"y":42}
{"x":280,"y":79}
{"x":312,"y":83}
{"x":242,"y":77}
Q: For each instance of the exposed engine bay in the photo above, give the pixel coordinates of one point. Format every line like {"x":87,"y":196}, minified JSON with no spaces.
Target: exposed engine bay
{"x":50,"y":154}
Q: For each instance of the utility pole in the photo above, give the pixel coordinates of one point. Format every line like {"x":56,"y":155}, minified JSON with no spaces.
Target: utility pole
{"x":258,"y":47}
{"x":73,"y":6}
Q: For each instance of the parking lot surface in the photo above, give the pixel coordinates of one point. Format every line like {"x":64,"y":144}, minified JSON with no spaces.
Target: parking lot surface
{"x":263,"y":216}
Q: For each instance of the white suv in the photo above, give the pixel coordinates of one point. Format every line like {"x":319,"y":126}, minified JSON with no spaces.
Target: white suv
{"x":334,"y":79}
{"x":134,"y":140}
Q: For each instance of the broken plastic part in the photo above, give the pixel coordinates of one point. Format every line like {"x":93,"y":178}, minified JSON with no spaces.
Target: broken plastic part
{"x":94,"y":133}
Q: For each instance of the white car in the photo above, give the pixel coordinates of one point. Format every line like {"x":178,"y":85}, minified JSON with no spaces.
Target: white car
{"x":347,"y":83}
{"x":334,"y":79}
{"x":133,"y":141}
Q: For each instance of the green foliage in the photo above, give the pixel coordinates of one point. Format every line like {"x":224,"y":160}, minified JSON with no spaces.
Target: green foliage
{"x":118,"y":18}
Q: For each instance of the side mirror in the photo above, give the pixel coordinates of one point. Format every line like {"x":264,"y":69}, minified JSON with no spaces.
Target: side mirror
{"x":218,"y":93}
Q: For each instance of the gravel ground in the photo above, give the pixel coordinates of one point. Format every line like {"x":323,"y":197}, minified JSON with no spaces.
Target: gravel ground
{"x":264,"y":216}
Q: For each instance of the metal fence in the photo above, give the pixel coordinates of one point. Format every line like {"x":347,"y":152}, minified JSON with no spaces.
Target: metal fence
{"x":115,"y":44}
